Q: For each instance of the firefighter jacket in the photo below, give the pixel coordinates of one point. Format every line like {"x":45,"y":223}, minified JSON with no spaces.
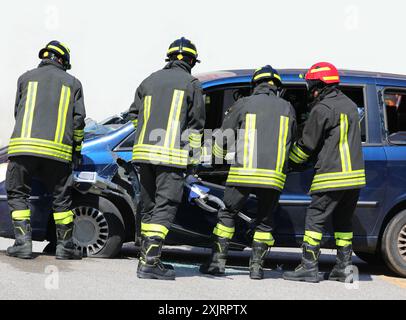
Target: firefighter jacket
{"x":49,"y":113}
{"x":263,"y":126}
{"x":169,"y":114}
{"x":332,"y":134}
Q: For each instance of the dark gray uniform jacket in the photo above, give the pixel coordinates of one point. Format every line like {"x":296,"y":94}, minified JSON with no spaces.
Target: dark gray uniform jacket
{"x":265,"y":126}
{"x":169,"y":114}
{"x":49,"y":113}
{"x":332,"y":133}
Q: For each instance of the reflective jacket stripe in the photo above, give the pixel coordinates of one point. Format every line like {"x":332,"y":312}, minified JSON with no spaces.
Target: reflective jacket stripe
{"x":62,"y":113}
{"x":255,"y":180}
{"x":344,"y":147}
{"x":339,"y":176}
{"x":147,"y":113}
{"x":249,"y":140}
{"x":338,"y":184}
{"x":173,"y":120}
{"x":13,"y":150}
{"x":283,"y":136}
{"x":29,"y":109}
{"x":159,"y":149}
{"x":21,"y":142}
{"x":168,"y":159}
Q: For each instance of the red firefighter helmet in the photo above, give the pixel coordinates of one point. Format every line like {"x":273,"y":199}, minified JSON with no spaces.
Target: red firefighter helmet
{"x":324,"y":72}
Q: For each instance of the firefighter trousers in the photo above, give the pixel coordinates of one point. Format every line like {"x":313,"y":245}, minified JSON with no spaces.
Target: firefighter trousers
{"x":56,"y":176}
{"x":235,"y":199}
{"x":161,"y":194}
{"x":340,"y":205}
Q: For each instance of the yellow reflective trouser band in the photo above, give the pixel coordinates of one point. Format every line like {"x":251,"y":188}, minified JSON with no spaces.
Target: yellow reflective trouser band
{"x":283,"y":137}
{"x":29,"y":109}
{"x":173,"y":120}
{"x":147,"y":113}
{"x":249,"y":140}
{"x":63,"y":217}
{"x":264,"y":237}
{"x":218,"y":151}
{"x":297,"y":155}
{"x":62,"y":113}
{"x":313,"y":238}
{"x":195,"y":140}
{"x":344,"y":147}
{"x":223,"y":231}
{"x":154,"y":230}
{"x":343,"y":238}
{"x":21,"y":214}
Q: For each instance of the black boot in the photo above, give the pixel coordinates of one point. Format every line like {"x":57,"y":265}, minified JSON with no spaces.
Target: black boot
{"x":257,"y":260}
{"x":308,"y":270}
{"x":22,"y":247}
{"x":65,"y":248}
{"x":217,"y":263}
{"x":342,"y":271}
{"x":150,"y":265}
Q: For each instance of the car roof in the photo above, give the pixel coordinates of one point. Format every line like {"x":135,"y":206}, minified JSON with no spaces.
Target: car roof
{"x":292,"y":75}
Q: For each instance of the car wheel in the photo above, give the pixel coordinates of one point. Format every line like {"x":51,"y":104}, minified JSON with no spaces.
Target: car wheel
{"x":394,"y":244}
{"x":99,"y":228}
{"x":370,"y":258}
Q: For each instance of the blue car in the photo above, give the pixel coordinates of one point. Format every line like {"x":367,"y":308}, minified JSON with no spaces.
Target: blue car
{"x":107,"y":187}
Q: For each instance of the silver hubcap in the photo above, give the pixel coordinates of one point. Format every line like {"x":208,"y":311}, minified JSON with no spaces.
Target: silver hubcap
{"x":402,"y":242}
{"x":91,"y":230}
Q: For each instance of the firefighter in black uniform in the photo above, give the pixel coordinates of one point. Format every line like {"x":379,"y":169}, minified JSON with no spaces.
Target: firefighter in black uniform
{"x":265,"y":126}
{"x":169,"y":113}
{"x":47,"y":137}
{"x":332,"y":136}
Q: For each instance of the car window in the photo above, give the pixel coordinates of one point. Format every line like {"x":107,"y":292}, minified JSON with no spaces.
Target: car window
{"x":356,"y":94}
{"x":395,"y":110}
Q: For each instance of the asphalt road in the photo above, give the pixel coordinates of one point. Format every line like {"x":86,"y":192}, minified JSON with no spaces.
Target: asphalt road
{"x":46,"y":278}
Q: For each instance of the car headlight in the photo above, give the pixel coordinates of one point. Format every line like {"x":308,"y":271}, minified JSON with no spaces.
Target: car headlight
{"x":3,"y":171}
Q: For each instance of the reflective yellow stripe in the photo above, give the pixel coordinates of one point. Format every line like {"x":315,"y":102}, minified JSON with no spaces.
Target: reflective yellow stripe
{"x":223,"y":231}
{"x":311,"y":241}
{"x":301,"y":154}
{"x":159,"y":159}
{"x":21,"y":142}
{"x":147,"y":113}
{"x":344,"y":235}
{"x":339,"y":175}
{"x":174,"y":49}
{"x":63,"y":217}
{"x":264,"y":237}
{"x":283,"y":137}
{"x":62,"y":113}
{"x":29,"y":109}
{"x":344,"y":147}
{"x":258,"y":173}
{"x":331,"y":78}
{"x":255,"y":181}
{"x":338,"y":184}
{"x":195,"y":140}
{"x":78,"y":148}
{"x":135,"y":123}
{"x":249,"y":140}
{"x":179,"y":153}
{"x":153,"y":234}
{"x":294,"y":158}
{"x":151,"y":227}
{"x":56,"y":48}
{"x":268,"y":74}
{"x":78,"y":135}
{"x":21,"y":214}
{"x":218,"y":151}
{"x":314,"y":235}
{"x":39,"y":151}
{"x":173,"y":120}
{"x":320,"y":70}
{"x":65,"y":46}
{"x":343,"y":243}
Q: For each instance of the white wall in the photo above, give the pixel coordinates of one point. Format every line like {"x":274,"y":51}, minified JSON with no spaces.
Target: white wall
{"x":115,"y":44}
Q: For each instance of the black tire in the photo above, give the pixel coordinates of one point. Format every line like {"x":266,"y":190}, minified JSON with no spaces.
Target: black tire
{"x":394,"y":244}
{"x":99,"y":227}
{"x":374,"y":259}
